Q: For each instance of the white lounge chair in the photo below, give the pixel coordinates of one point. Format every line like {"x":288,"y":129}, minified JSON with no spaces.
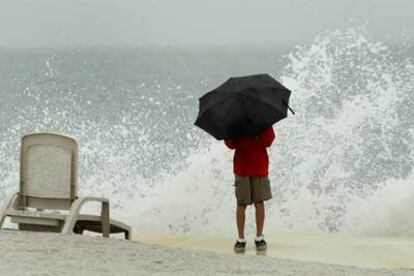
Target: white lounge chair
{"x":48,"y":186}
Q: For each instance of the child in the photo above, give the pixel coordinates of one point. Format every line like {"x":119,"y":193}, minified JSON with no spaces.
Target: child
{"x":252,"y":184}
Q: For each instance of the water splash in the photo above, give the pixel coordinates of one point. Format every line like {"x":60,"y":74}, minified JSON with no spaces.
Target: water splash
{"x":388,"y":211}
{"x":353,"y":130}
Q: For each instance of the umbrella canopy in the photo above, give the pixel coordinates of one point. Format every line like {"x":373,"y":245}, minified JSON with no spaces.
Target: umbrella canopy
{"x":243,"y":106}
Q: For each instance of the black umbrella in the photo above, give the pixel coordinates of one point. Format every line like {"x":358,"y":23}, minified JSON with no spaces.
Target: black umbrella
{"x":243,"y":106}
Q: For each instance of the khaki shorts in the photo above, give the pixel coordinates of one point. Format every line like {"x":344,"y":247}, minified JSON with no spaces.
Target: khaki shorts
{"x":252,"y":189}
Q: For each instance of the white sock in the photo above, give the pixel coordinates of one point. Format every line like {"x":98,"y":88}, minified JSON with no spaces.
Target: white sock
{"x":259,"y":238}
{"x":241,"y":240}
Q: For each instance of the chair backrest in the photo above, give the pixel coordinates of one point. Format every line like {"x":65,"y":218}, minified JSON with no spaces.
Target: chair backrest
{"x":48,"y":171}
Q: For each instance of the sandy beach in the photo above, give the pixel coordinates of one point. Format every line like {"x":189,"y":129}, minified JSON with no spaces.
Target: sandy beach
{"x":27,"y":253}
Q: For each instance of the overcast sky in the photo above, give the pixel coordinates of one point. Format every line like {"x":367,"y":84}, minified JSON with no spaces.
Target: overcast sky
{"x":68,"y":23}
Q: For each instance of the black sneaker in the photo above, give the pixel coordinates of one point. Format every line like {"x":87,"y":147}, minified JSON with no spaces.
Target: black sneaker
{"x":261,"y":245}
{"x":240,"y":247}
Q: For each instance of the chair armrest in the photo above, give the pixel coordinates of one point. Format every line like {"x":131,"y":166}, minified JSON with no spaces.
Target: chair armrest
{"x":74,"y":212}
{"x":10,"y":201}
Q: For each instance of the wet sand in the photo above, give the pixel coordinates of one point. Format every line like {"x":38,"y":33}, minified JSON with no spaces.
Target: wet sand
{"x":369,"y":252}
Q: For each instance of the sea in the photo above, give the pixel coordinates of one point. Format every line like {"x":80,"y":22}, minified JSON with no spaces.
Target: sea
{"x":343,"y":163}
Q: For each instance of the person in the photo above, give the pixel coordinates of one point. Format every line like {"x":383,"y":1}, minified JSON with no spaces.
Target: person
{"x":252,"y":185}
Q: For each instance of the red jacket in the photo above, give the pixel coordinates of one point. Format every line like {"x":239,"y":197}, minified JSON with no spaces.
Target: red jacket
{"x":250,"y":157}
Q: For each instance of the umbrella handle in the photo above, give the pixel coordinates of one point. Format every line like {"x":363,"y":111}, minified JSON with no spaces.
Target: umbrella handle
{"x":289,"y":107}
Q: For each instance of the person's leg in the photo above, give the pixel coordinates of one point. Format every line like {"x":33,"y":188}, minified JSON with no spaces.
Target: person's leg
{"x":261,"y":191}
{"x":260,"y":218}
{"x":241,"y":218}
{"x":243,"y":195}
